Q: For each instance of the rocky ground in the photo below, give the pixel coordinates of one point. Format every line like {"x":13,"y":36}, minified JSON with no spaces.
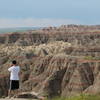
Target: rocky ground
{"x":62,"y":61}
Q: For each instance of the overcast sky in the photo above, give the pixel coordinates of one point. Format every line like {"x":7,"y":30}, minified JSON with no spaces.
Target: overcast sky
{"x":23,"y":13}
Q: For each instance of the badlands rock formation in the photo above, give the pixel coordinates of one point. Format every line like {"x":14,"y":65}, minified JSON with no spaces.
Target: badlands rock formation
{"x":62,"y":61}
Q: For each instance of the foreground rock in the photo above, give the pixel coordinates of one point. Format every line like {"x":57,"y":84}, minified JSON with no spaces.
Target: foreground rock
{"x":29,"y":95}
{"x":52,"y":74}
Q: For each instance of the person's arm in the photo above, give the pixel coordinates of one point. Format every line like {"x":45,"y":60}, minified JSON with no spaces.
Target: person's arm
{"x":10,"y":68}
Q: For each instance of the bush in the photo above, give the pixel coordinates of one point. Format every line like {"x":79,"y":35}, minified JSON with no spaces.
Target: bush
{"x":88,"y":58}
{"x":91,"y":58}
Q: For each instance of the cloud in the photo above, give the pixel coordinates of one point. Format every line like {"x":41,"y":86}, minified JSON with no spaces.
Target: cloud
{"x":33,"y":22}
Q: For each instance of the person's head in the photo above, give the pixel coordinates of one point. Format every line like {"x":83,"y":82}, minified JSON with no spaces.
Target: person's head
{"x":14,"y":62}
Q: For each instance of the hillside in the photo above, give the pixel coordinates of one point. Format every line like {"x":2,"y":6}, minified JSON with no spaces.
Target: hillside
{"x":55,"y":61}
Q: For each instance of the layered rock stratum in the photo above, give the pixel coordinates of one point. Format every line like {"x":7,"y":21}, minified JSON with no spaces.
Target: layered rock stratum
{"x":55,"y":61}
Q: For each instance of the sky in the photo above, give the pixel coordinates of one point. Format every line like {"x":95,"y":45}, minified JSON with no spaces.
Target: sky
{"x":41,"y":13}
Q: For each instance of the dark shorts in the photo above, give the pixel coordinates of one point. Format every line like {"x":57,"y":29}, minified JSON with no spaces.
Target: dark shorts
{"x":14,"y":84}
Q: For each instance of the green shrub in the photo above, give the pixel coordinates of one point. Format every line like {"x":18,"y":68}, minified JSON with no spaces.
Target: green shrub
{"x":88,"y":58}
{"x":91,"y":58}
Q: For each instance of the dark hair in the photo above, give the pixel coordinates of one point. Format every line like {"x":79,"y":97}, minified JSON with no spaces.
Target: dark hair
{"x":14,"y":62}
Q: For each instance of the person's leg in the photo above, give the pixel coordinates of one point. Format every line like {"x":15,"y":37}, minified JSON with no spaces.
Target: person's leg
{"x":9,"y":91}
{"x":15,"y":93}
{"x":17,"y":88}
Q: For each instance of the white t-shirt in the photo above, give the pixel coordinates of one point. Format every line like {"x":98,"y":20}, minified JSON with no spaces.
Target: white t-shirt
{"x":14,"y":72}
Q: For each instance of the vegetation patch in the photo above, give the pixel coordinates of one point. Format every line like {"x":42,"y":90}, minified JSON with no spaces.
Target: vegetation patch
{"x":81,"y":97}
{"x":91,"y":58}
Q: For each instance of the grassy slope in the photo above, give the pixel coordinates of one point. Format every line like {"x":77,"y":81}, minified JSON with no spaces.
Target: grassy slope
{"x":81,"y":97}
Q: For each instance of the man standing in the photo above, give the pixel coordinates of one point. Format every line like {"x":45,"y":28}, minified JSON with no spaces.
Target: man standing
{"x":14,"y":78}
